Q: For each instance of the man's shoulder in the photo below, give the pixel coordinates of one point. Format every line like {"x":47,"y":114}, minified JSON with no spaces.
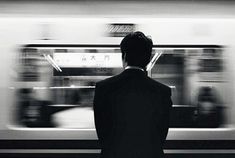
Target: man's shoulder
{"x":158,"y":85}
{"x":117,"y":80}
{"x":107,"y":82}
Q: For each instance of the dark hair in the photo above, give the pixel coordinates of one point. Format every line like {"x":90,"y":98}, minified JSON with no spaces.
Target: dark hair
{"x":136,"y":49}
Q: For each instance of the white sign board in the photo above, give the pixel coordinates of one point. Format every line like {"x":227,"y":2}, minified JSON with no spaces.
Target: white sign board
{"x":72,"y":60}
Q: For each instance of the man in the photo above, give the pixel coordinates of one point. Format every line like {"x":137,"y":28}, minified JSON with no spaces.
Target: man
{"x":131,"y":110}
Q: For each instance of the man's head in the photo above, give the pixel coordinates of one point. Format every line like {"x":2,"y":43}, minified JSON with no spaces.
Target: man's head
{"x":136,"y":49}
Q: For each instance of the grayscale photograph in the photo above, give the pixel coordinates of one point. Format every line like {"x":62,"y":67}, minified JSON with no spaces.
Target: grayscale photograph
{"x":117,"y":79}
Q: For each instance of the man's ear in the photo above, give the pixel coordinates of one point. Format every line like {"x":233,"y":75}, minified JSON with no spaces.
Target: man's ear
{"x":124,"y":62}
{"x":124,"y":57}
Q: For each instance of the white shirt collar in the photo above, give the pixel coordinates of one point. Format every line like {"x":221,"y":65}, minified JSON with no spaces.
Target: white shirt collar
{"x":134,"y":67}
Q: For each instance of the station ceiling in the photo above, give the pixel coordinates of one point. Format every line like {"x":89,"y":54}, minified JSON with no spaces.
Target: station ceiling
{"x":116,"y":8}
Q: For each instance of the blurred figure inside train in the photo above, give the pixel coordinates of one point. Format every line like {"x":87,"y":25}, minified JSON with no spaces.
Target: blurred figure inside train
{"x":209,"y":109}
{"x":33,"y":112}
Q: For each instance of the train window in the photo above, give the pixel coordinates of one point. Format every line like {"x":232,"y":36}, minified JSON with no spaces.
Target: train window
{"x":55,"y":84}
{"x":196,"y":78}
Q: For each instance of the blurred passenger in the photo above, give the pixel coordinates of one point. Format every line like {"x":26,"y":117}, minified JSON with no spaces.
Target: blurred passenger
{"x":67,"y":95}
{"x":25,"y":97}
{"x":131,"y":110}
{"x":70,"y":95}
{"x":209,"y":110}
{"x":33,"y":112}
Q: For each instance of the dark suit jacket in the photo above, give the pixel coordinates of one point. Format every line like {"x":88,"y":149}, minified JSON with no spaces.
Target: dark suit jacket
{"x":131,"y":115}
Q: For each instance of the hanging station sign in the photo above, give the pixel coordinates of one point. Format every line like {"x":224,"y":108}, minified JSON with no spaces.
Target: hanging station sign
{"x":86,"y":60}
{"x":120,"y":29}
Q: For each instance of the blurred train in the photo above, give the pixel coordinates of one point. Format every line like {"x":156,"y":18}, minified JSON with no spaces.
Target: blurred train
{"x":49,"y":67}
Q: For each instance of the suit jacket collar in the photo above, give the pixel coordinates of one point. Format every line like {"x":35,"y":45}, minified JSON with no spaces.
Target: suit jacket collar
{"x":134,"y":72}
{"x":134,"y":67}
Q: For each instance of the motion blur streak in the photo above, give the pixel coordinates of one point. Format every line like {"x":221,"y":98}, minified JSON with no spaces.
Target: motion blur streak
{"x":54,"y":52}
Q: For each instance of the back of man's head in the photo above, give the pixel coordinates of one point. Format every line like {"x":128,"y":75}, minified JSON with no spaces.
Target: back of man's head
{"x":136,"y":49}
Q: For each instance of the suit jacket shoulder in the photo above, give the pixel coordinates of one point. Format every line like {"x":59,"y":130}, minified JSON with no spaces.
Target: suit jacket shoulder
{"x":107,"y":83}
{"x":162,"y":87}
{"x":114,"y":82}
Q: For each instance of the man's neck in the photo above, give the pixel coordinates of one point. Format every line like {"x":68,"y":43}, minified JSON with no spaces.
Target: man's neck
{"x":134,"y":67}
